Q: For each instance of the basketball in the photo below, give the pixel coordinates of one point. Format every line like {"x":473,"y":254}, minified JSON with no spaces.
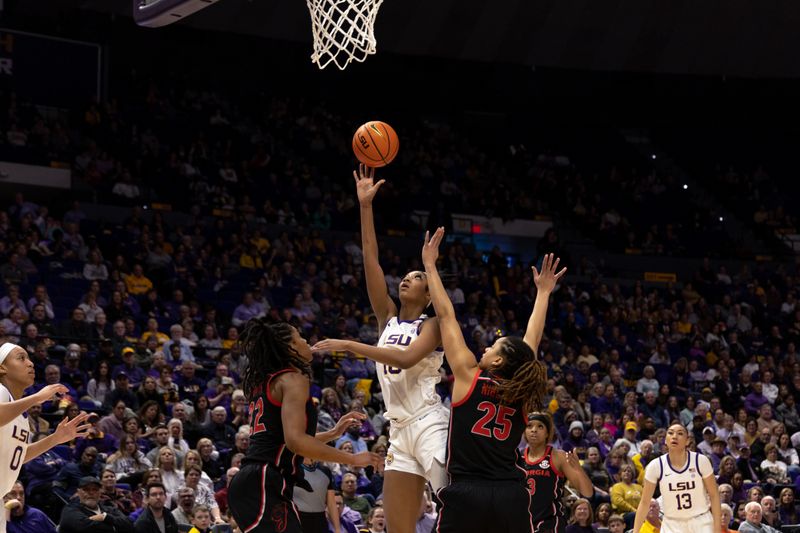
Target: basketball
{"x":375,"y":144}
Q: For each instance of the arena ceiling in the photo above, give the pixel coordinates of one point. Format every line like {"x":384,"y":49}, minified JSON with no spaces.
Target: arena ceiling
{"x":741,"y":38}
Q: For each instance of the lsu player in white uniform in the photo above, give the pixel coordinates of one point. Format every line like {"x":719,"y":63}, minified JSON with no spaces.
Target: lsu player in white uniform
{"x":689,"y":494}
{"x":409,"y":355}
{"x":17,"y":374}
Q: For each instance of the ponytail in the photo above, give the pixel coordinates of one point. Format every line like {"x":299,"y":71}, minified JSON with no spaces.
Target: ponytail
{"x":522,"y":379}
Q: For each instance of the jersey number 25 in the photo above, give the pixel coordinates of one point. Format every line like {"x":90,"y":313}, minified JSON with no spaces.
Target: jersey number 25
{"x":502,"y":421}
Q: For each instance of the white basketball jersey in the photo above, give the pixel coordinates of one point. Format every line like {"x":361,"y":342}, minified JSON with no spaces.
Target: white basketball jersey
{"x":408,"y":392}
{"x":683,"y":493}
{"x":13,"y":446}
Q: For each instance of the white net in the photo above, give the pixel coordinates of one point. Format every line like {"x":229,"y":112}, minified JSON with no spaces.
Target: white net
{"x":343,"y":30}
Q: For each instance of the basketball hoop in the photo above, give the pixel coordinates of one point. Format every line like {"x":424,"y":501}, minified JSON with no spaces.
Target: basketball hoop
{"x":343,"y":30}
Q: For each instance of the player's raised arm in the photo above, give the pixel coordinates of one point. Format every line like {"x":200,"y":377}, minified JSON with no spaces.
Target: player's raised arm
{"x":429,"y":339}
{"x":377,"y":291}
{"x":569,"y":464}
{"x":462,"y":360}
{"x":545,"y":281}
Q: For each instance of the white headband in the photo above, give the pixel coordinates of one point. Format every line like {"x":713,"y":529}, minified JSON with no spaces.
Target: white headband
{"x":6,"y":349}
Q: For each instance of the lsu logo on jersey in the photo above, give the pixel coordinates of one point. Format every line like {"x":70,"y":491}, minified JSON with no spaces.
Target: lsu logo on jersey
{"x":20,"y":434}
{"x":389,"y":458}
{"x":398,"y":339}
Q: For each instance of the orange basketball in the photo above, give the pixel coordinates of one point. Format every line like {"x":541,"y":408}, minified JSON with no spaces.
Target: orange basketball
{"x":375,"y":144}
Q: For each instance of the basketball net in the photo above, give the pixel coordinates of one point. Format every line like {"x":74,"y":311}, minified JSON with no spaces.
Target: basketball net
{"x":343,"y":30}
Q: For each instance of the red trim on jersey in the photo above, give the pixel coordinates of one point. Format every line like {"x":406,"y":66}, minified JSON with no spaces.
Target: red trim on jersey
{"x":441,"y":511}
{"x":530,"y":496}
{"x":469,"y":393}
{"x":269,"y":381}
{"x":553,"y":465}
{"x":279,"y":454}
{"x":263,"y":500}
{"x":540,"y":459}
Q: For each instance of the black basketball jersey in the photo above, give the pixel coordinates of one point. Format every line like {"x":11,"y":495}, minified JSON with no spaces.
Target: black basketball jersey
{"x":484,"y":434}
{"x":267,"y":443}
{"x":546,"y":486}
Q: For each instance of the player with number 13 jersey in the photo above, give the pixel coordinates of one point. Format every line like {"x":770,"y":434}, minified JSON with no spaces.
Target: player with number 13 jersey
{"x":689,"y":494}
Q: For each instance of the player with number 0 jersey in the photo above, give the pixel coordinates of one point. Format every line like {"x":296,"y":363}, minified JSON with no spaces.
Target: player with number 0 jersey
{"x":16,"y":375}
{"x":689,"y":494}
{"x":491,"y":399}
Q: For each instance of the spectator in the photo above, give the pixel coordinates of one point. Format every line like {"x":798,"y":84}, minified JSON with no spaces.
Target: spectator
{"x":351,"y":499}
{"x":111,"y":493}
{"x":653,"y":521}
{"x":184,"y":510}
{"x":101,"y":384}
{"x":156,"y":517}
{"x":203,"y":495}
{"x":136,"y":283}
{"x":648,"y":383}
{"x":348,"y":518}
{"x":130,"y":369}
{"x":625,"y":494}
{"x":629,"y":438}
{"x":769,"y":512}
{"x":112,"y":423}
{"x":727,"y":518}
{"x":217,"y":430}
{"x":177,"y":338}
{"x":95,"y":269}
{"x":581,"y":518}
{"x":88,"y":513}
{"x":128,"y":460}
{"x":22,"y":517}
{"x":209,"y":459}
{"x":122,"y":392}
{"x":753,"y":524}
{"x":787,"y":509}
{"x":247,"y":310}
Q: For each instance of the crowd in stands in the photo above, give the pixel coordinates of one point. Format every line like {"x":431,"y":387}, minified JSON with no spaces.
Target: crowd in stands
{"x":141,"y":319}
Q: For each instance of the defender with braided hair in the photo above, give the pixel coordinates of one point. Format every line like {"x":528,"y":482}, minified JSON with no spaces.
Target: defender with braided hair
{"x":491,"y":399}
{"x":283,"y":422}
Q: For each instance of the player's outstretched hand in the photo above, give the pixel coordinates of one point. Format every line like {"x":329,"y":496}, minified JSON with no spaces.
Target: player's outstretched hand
{"x":430,"y":249}
{"x":330,"y":345}
{"x":365,"y":459}
{"x":50,"y":391}
{"x":547,"y":279}
{"x":69,"y":430}
{"x":348,"y":420}
{"x":366,"y":188}
{"x":572,"y":460}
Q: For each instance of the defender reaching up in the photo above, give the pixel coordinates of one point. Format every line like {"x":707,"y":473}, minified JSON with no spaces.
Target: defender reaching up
{"x":491,"y":399}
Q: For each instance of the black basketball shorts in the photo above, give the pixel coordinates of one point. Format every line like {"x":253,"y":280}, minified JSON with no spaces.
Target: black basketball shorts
{"x":478,"y":506}
{"x":258,"y":503}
